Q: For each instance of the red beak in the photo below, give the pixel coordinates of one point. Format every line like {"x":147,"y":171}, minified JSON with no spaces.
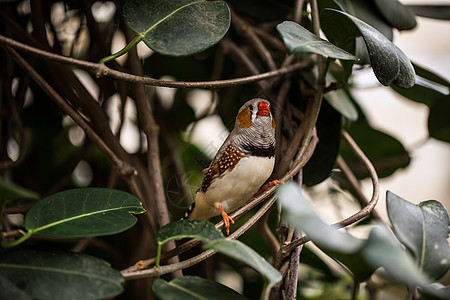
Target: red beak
{"x":263,"y":109}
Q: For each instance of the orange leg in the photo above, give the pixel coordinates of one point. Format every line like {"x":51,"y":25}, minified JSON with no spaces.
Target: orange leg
{"x":226,"y":218}
{"x":267,"y":186}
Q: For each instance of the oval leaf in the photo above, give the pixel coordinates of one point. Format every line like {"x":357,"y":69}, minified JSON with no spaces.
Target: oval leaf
{"x":362,"y":257}
{"x":193,"y":287}
{"x":202,"y":230}
{"x":439,"y":12}
{"x":398,"y":15}
{"x":389,"y":63}
{"x":423,"y":229}
{"x":319,"y":166}
{"x":342,"y":103}
{"x":299,"y":39}
{"x":60,"y":275}
{"x":430,"y":75}
{"x":438,"y":125}
{"x":178,"y":27}
{"x":83,"y":213}
{"x":300,"y":214}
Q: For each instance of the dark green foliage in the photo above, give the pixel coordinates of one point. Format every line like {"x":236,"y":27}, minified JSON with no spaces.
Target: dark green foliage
{"x":59,"y":275}
{"x":380,"y":249}
{"x":82,"y":213}
{"x":322,"y":162}
{"x":178,"y":28}
{"x":199,"y":40}
{"x":423,"y":229}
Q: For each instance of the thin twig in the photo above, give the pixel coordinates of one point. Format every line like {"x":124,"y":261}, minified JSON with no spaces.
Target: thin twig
{"x":247,"y":30}
{"x":123,"y":167}
{"x":151,"y":130}
{"x":101,"y":70}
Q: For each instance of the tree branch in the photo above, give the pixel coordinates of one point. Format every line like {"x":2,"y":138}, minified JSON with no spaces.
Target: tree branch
{"x":101,"y":70}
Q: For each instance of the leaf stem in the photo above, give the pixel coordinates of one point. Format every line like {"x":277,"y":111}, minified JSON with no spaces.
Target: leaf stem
{"x":137,"y":39}
{"x":158,"y":255}
{"x":19,"y":240}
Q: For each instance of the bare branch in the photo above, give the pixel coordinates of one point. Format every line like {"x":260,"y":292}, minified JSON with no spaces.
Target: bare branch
{"x":101,"y":70}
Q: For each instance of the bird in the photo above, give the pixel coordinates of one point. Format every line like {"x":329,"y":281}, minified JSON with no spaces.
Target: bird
{"x":241,"y":165}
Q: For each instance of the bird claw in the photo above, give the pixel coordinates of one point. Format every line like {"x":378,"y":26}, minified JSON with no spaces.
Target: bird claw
{"x":226,"y":219}
{"x":267,"y":186}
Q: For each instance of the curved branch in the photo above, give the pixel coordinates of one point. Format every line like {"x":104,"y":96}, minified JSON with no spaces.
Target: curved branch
{"x":101,"y":70}
{"x":364,"y":212}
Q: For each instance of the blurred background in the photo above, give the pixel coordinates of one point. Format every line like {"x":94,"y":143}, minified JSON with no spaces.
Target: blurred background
{"x":428,"y":174}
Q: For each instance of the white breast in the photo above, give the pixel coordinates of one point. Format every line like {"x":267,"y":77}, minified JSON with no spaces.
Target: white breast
{"x":236,"y":187}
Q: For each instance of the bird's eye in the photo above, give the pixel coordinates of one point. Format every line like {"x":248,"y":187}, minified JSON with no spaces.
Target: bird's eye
{"x":250,"y":107}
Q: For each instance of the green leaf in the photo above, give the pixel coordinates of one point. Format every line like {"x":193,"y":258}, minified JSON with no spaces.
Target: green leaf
{"x":362,"y":257}
{"x":328,"y":125}
{"x":10,"y":291}
{"x":382,"y":250}
{"x":420,"y":94}
{"x":202,"y":230}
{"x":389,"y":63}
{"x":423,"y":229}
{"x":177,"y":27}
{"x":83,"y":213}
{"x":245,"y":254}
{"x":193,"y":287}
{"x":299,"y":39}
{"x":198,"y":229}
{"x":398,"y":15}
{"x":60,"y":275}
{"x":342,"y":103}
{"x":439,"y":12}
{"x":438,"y":125}
{"x":299,"y":213}
{"x":9,"y":191}
{"x":430,"y":75}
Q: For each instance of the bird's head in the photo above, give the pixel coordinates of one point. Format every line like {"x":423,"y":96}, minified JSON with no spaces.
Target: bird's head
{"x":255,"y":112}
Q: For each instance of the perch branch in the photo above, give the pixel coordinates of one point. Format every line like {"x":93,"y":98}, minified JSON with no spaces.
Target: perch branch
{"x":101,"y":70}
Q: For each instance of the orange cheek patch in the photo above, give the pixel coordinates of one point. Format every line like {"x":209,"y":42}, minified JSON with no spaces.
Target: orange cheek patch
{"x":244,"y":118}
{"x":273,"y":123}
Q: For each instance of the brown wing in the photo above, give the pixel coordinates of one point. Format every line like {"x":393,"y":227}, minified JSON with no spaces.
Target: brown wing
{"x":222,"y":164}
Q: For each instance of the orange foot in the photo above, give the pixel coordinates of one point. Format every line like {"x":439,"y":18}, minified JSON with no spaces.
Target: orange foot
{"x":226,"y":218}
{"x":267,"y":186}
